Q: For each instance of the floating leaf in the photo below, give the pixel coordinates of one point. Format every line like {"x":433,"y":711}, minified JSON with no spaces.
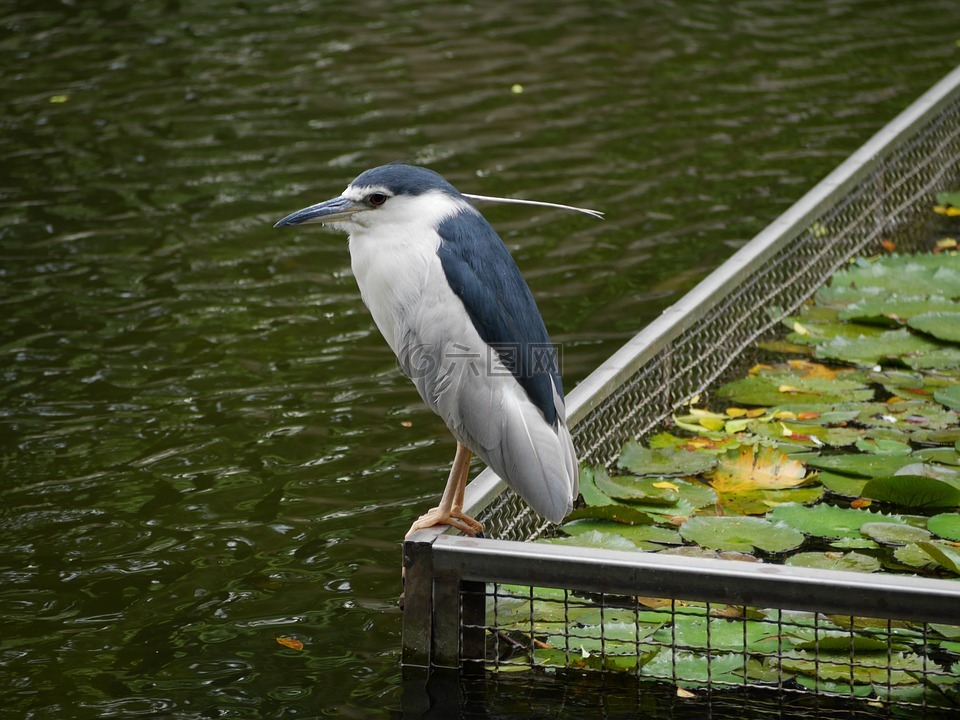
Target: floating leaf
{"x":949,"y":198}
{"x":856,"y":562}
{"x":884,"y":348}
{"x":759,"y":502}
{"x":614,"y":512}
{"x":914,"y":491}
{"x":633,"y":533}
{"x":290,"y":642}
{"x":949,"y":396}
{"x":869,"y":466}
{"x":716,"y":634}
{"x":894,"y":309}
{"x":940,"y":324}
{"x":946,"y":525}
{"x":913,"y":556}
{"x":786,"y":388}
{"x":945,"y":557}
{"x":690,"y":668}
{"x":632,"y":489}
{"x":827,"y":520}
{"x":848,"y":543}
{"x":943,"y":456}
{"x":607,"y":541}
{"x":878,"y":446}
{"x":894,"y":533}
{"x":740,"y":534}
{"x":664,"y":461}
{"x":745,"y":470}
{"x":938,"y":274}
{"x":842,"y":484}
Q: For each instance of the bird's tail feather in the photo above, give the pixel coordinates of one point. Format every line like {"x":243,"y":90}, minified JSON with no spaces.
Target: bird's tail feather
{"x":537,"y":460}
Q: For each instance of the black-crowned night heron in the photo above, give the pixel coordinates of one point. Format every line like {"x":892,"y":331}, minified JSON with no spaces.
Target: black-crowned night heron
{"x":451,"y":303}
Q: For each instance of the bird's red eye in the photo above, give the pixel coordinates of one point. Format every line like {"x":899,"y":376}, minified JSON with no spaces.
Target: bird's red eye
{"x":377,"y":199}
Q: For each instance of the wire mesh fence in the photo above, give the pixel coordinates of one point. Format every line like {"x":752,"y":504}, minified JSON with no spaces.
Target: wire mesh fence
{"x":502,"y":603}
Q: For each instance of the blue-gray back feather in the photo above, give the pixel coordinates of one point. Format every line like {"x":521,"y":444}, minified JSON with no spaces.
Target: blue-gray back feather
{"x":501,"y":306}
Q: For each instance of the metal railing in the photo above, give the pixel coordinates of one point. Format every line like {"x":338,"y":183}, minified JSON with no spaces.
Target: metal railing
{"x":455,"y":584}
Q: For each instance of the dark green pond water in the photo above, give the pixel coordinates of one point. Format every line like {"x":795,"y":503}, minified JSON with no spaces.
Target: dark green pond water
{"x":205,"y":442}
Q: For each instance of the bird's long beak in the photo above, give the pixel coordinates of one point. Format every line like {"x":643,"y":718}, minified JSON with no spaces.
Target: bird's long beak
{"x":332,"y":210}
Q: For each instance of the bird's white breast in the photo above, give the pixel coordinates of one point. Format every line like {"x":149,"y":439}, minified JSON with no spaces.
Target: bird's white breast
{"x":395,"y":262}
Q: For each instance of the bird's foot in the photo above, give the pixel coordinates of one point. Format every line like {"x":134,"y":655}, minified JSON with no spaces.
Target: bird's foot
{"x":435,"y":516}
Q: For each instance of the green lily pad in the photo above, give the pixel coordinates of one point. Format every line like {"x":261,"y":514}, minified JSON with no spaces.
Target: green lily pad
{"x":633,"y":533}
{"x":879,"y":446}
{"x":936,"y":274}
{"x":940,"y":324}
{"x":808,"y":435}
{"x":691,"y":669}
{"x":814,"y":334}
{"x":869,"y":466}
{"x":719,"y":634}
{"x":827,"y":521}
{"x":847,"y":543}
{"x":894,"y":533}
{"x":908,"y":416}
{"x":892,"y":345}
{"x":702,"y":552}
{"x":844,"y":485}
{"x":610,"y":638}
{"x":941,"y":358}
{"x":942,"y":456}
{"x":949,"y":198}
{"x":914,"y":556}
{"x":856,"y":562}
{"x":946,"y":525}
{"x":867,"y":667}
{"x":740,"y":533}
{"x":949,"y":396}
{"x":664,"y":461}
{"x":593,"y":538}
{"x":914,"y":491}
{"x":783,"y":388}
{"x":894,"y":309}
{"x":588,"y":487}
{"x":944,"y":557}
{"x":633,"y":489}
{"x":615,"y":512}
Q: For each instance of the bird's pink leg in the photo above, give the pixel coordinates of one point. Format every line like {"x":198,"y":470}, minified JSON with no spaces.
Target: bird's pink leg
{"x":450,"y":510}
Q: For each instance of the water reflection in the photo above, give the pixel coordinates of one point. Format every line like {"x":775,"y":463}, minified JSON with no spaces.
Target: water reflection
{"x":205,"y":443}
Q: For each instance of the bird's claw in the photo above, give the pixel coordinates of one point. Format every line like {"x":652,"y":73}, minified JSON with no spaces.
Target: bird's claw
{"x":455,"y":518}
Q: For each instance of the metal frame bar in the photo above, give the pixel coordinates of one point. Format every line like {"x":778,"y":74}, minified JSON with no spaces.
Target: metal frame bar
{"x":446,"y":572}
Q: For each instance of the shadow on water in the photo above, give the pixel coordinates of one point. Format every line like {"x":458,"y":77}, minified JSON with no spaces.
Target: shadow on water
{"x":205,"y":444}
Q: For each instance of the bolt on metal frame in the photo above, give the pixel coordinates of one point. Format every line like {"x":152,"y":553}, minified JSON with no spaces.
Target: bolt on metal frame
{"x":881,"y":191}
